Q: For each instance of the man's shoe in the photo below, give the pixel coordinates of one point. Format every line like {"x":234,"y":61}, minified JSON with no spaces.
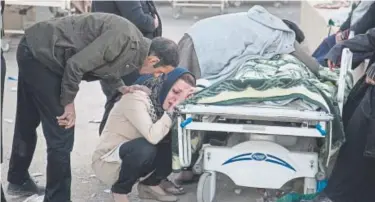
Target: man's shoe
{"x":26,"y":189}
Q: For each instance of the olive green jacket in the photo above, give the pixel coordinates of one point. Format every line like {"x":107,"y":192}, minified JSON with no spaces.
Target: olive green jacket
{"x":92,"y":46}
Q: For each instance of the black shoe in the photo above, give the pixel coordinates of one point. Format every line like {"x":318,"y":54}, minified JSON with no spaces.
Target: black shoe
{"x":26,"y":189}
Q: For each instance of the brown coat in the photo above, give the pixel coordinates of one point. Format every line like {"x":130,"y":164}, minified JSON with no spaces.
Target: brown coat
{"x":128,"y":120}
{"x":93,"y":46}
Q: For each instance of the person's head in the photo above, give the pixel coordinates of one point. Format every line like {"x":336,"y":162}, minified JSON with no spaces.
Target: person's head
{"x":163,"y":53}
{"x":168,"y":90}
{"x":300,"y":36}
{"x":177,"y":87}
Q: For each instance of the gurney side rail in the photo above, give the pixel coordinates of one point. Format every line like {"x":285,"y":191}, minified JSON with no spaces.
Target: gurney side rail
{"x":255,"y":129}
{"x":257,"y":113}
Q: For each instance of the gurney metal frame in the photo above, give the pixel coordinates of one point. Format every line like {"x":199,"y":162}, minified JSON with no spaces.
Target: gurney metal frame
{"x":177,"y":5}
{"x":257,"y":163}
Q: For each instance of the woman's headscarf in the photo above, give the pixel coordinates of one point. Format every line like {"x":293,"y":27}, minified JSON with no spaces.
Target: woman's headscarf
{"x":160,"y":86}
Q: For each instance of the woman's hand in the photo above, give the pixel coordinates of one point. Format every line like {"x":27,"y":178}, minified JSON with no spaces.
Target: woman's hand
{"x":132,"y":88}
{"x":370,"y":81}
{"x":68,"y":118}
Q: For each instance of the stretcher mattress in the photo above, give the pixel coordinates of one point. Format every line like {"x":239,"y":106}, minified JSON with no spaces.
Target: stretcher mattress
{"x":280,"y":81}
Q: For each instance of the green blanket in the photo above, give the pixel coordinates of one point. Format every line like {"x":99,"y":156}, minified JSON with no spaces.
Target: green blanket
{"x":282,"y":80}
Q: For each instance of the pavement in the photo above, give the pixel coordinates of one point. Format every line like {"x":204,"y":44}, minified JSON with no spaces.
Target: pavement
{"x":89,"y":107}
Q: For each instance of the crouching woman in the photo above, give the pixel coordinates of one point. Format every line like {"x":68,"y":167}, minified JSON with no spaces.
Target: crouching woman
{"x":134,"y":143}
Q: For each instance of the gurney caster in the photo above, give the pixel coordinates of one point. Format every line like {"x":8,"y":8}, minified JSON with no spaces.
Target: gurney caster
{"x":206,"y":187}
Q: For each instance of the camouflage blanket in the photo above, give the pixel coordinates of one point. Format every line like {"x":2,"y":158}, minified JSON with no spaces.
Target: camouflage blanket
{"x":282,"y":80}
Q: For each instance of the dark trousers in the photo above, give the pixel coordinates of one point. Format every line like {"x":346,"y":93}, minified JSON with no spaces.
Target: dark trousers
{"x":139,"y":158}
{"x":3,"y":72}
{"x":353,"y":177}
{"x":39,"y":102}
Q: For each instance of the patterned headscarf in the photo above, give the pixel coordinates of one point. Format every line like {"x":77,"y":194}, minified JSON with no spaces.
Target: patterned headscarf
{"x":160,"y":87}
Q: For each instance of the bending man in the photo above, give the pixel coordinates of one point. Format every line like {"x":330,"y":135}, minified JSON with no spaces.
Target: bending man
{"x":54,"y":57}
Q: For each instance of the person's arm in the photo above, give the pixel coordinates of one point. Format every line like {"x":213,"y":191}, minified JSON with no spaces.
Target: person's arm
{"x":139,"y":117}
{"x":366,"y":22}
{"x":132,"y":10}
{"x":346,"y":24}
{"x":370,"y":72}
{"x":360,"y":43}
{"x":103,"y":49}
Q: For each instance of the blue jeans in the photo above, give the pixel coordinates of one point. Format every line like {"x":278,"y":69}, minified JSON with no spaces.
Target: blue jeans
{"x":322,"y":50}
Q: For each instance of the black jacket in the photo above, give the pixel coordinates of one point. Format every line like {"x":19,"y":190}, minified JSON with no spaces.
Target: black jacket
{"x":365,"y":23}
{"x":140,"y":13}
{"x":362,"y":43}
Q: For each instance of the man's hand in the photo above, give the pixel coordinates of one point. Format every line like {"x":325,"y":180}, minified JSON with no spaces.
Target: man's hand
{"x":162,"y":70}
{"x":331,"y":65}
{"x":68,"y":118}
{"x":148,"y":69}
{"x":130,"y":89}
{"x":156,"y":21}
{"x":339,"y":37}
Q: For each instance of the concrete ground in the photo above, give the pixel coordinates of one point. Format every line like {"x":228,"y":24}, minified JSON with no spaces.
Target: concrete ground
{"x":89,"y":107}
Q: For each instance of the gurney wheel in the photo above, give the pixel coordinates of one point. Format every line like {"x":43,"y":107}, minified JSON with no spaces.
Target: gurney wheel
{"x":205,"y":189}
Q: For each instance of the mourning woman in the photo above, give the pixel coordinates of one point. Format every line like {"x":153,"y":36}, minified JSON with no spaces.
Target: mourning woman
{"x":135,"y":143}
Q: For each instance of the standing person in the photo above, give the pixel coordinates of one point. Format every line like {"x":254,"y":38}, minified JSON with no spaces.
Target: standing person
{"x":359,"y":21}
{"x":353,"y":176}
{"x":54,"y":56}
{"x":143,"y":15}
{"x":3,"y":72}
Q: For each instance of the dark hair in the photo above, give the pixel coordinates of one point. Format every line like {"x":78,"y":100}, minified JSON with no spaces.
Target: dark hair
{"x":166,"y":50}
{"x":300,"y":36}
{"x":188,"y":78}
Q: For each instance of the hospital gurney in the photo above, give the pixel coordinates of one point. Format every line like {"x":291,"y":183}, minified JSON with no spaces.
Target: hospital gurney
{"x":259,"y":162}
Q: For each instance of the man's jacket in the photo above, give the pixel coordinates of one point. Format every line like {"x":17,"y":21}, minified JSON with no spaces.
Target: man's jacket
{"x":363,"y":43}
{"x":94,"y":46}
{"x":140,"y":13}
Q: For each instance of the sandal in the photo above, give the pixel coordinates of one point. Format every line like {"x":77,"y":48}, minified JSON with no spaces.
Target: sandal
{"x":172,"y":188}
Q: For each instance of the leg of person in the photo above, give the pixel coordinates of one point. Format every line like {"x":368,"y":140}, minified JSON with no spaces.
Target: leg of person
{"x":150,"y":188}
{"x":349,"y":175}
{"x":2,"y":195}
{"x":365,"y":193}
{"x":45,"y":87}
{"x":24,"y":139}
{"x":137,"y":157}
{"x":3,"y":72}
